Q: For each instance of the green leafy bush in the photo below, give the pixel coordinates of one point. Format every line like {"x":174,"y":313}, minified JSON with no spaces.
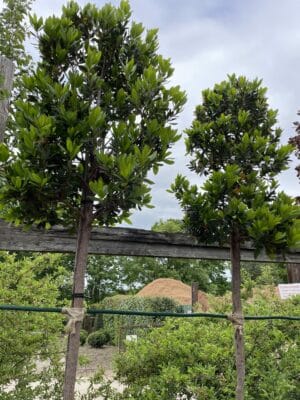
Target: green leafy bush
{"x":83,"y":336}
{"x":98,"y":339}
{"x":26,"y":337}
{"x":195,"y":357}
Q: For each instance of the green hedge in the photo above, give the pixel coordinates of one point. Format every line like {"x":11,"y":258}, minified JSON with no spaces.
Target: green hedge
{"x":98,"y":339}
{"x":119,"y":326}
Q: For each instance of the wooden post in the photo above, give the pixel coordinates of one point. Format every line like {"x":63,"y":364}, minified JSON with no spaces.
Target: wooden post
{"x":195,"y":288}
{"x":6,"y":83}
{"x":237,"y":314}
{"x":83,"y":237}
{"x":293,"y":271}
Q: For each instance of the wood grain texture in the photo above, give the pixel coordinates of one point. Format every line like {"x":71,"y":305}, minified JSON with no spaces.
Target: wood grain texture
{"x":293,"y":271}
{"x":7,"y":73}
{"x":127,"y":242}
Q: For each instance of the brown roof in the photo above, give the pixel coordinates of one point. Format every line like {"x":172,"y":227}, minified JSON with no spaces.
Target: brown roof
{"x":174,"y":289}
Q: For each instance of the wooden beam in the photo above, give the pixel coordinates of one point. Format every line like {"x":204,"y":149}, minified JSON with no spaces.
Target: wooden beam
{"x":293,"y":271}
{"x":6,"y":83}
{"x":126,"y":242}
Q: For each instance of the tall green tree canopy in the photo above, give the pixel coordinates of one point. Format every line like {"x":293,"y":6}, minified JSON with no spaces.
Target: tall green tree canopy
{"x":98,"y":117}
{"x":233,"y":141}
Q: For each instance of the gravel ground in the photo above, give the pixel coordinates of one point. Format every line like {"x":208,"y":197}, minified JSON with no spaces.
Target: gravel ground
{"x":93,"y":359}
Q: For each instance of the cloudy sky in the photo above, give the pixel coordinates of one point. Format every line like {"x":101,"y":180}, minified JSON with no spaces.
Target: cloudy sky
{"x":206,"y":40}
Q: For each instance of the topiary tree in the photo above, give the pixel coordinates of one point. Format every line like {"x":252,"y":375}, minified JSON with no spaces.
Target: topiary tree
{"x":98,"y":338}
{"x":97,"y":118}
{"x":233,"y":141}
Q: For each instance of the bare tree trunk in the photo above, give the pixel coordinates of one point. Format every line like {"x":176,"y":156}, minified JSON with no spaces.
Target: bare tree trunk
{"x":83,"y":236}
{"x":195,"y":289}
{"x":237,"y":317}
{"x":293,"y":271}
{"x":6,"y":83}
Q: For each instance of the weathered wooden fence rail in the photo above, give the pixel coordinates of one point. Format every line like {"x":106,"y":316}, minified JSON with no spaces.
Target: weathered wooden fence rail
{"x":126,"y":242}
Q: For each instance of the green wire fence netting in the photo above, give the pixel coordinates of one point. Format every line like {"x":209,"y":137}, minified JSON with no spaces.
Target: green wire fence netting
{"x":8,"y":307}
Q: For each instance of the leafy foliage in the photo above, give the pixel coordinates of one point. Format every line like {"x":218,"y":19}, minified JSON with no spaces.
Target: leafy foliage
{"x":98,"y":339}
{"x":259,"y":274}
{"x":110,"y":275}
{"x":296,"y":142}
{"x":52,"y":266}
{"x":170,"y":225}
{"x":117,"y":325}
{"x":28,"y":337}
{"x":233,"y":141}
{"x":14,"y":30}
{"x":83,"y":336}
{"x":97,"y":117}
{"x":194,"y":358}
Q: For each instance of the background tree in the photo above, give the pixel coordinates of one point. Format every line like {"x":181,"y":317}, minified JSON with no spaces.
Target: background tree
{"x":233,"y":141}
{"x":13,"y":32}
{"x":97,"y":117}
{"x":14,"y":29}
{"x":110,"y":275}
{"x":170,"y":225}
{"x":263,"y":274}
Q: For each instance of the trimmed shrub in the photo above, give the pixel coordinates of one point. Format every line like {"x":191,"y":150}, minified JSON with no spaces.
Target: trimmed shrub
{"x":98,"y":339}
{"x":83,"y":336}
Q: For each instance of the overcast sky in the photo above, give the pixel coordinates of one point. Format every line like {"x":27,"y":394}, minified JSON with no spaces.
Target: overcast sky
{"x":206,"y":40}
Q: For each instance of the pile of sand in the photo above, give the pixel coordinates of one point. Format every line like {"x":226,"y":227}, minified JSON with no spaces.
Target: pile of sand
{"x":176,"y":290}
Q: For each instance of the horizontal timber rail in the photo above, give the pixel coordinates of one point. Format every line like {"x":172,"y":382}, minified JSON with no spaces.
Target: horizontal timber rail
{"x":126,"y":242}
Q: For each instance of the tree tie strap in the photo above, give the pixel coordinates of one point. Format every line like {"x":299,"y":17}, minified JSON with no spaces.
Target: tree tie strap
{"x":236,"y":319}
{"x":74,"y":315}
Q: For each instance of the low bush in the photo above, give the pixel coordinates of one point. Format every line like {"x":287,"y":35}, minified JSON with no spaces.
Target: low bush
{"x":195,"y":358}
{"x":98,"y":339}
{"x":121,"y":325}
{"x":83,"y":336}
